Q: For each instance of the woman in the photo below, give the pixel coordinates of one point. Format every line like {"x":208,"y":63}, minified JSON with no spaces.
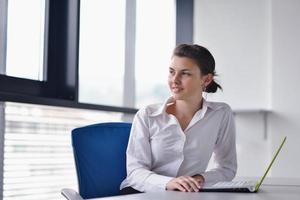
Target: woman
{"x":171,"y":144}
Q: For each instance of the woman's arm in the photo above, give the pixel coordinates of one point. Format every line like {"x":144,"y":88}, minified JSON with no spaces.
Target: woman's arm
{"x":139,"y":160}
{"x":225,"y":151}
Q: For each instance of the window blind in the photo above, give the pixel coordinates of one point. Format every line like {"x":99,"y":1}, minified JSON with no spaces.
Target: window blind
{"x":38,"y":157}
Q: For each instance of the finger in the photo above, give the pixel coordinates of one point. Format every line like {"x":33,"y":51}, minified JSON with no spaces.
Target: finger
{"x":191,"y":183}
{"x":194,"y":184}
{"x":188,"y":183}
{"x":185,"y":185}
{"x":195,"y":181}
{"x":180,"y":187}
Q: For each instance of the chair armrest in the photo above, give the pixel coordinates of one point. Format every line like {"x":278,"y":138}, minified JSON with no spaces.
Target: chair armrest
{"x":71,"y":194}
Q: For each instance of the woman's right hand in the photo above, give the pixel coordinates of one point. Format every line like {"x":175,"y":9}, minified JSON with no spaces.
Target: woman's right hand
{"x":184,"y":184}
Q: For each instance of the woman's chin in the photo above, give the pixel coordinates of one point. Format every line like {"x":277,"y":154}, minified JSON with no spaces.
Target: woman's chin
{"x":177,"y":96}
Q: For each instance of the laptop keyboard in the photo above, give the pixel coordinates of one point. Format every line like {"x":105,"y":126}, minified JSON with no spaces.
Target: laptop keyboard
{"x":232,"y":184}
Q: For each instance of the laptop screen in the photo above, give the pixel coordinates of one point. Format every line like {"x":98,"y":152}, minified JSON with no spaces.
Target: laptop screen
{"x":270,"y":165}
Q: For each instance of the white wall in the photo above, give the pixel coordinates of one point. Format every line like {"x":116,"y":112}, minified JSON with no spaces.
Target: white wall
{"x":256,"y":46}
{"x":286,"y":81}
{"x":236,"y":32}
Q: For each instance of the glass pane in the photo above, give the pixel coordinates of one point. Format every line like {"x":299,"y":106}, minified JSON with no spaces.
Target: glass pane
{"x":155,"y":41}
{"x":101,"y":51}
{"x":38,"y":157}
{"x":25,"y":38}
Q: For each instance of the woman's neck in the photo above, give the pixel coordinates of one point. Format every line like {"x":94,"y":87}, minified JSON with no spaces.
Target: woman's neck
{"x":187,"y":108}
{"x":184,"y":111}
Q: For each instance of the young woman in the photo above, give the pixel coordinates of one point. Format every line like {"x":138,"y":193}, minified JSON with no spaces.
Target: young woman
{"x":171,"y":144}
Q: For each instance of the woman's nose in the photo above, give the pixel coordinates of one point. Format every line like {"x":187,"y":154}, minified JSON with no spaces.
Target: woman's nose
{"x":176,"y":78}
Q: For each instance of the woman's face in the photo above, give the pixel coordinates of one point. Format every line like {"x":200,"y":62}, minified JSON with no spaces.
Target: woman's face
{"x":185,"y":78}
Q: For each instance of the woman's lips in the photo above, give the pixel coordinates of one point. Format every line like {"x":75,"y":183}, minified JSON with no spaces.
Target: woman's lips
{"x":176,"y":89}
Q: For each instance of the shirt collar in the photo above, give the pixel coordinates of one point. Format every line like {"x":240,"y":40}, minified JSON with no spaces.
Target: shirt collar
{"x":162,"y":109}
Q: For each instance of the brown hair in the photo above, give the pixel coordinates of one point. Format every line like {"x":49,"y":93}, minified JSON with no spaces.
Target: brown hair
{"x":204,"y":60}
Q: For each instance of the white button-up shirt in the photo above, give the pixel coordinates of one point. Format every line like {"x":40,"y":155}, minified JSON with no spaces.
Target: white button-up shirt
{"x":159,"y":150}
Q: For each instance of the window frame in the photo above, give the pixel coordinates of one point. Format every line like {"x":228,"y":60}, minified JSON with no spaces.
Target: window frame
{"x":3,"y":27}
{"x":184,"y":21}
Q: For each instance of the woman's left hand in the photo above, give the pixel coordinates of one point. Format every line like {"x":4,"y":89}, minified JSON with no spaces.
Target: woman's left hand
{"x":200,"y":179}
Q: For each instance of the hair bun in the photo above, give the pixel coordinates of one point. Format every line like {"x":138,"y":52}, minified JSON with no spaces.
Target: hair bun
{"x":212,"y":87}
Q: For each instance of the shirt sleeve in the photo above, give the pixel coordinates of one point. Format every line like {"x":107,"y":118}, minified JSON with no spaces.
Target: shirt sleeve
{"x":138,"y":160}
{"x":224,"y":151}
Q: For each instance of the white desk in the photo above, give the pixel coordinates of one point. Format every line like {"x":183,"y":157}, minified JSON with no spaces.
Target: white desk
{"x":276,"y":191}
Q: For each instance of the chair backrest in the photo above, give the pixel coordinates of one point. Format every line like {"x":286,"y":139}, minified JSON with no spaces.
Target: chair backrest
{"x":100,"y":158}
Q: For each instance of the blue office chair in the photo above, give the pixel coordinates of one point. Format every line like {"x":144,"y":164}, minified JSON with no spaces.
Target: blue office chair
{"x":100,"y":158}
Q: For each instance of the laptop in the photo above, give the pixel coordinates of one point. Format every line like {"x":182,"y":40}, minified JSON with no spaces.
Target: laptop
{"x":241,"y":186}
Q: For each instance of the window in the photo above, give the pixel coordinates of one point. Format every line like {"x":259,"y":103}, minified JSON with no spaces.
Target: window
{"x":38,"y":157}
{"x":101,"y":54}
{"x":101,"y":60}
{"x":155,"y":42}
{"x":57,"y":50}
{"x":25,"y":39}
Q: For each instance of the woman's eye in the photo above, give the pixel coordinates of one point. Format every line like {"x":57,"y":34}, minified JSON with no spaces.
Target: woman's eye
{"x":186,"y":74}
